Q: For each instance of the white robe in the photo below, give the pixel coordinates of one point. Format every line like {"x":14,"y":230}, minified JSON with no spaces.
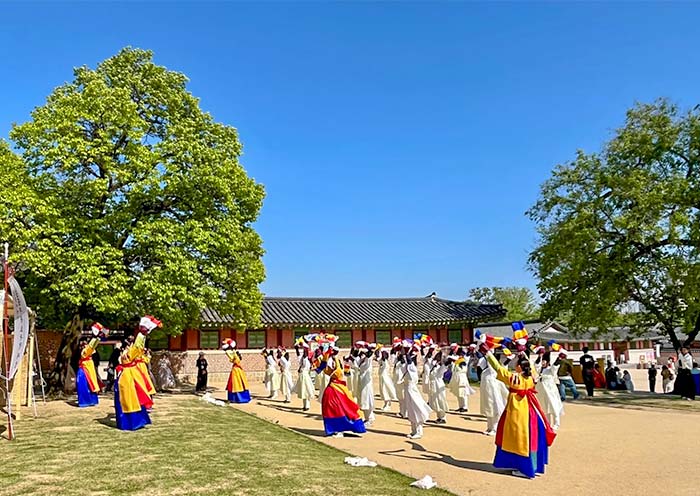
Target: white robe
{"x":493,"y":392}
{"x":548,"y":393}
{"x":287,"y":381}
{"x":398,"y":377}
{"x":438,"y":391}
{"x":425,"y":378}
{"x":304,"y":386}
{"x":272,"y":375}
{"x":387,"y":388}
{"x":459,"y":384}
{"x":365,"y":385}
{"x":417,"y":410}
{"x":166,"y":379}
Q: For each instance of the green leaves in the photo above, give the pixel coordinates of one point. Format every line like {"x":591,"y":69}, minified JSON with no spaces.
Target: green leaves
{"x":622,"y":226}
{"x":126,"y":198}
{"x":520,"y":303}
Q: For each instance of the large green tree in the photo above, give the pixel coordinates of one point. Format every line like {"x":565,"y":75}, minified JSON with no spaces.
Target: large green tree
{"x":621,"y":227}
{"x":519,"y":302}
{"x":123,"y":197}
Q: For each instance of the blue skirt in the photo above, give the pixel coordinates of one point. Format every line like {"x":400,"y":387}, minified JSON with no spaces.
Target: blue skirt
{"x":343,"y":424}
{"x":530,"y":466}
{"x":129,"y":421}
{"x":85,"y":396}
{"x":240,"y":397}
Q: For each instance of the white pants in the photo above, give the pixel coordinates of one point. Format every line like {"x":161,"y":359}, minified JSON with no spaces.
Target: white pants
{"x":463,"y":402}
{"x":416,"y":429}
{"x":491,"y":423}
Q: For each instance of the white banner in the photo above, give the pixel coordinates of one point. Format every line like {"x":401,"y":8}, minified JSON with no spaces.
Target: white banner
{"x":21,"y":331}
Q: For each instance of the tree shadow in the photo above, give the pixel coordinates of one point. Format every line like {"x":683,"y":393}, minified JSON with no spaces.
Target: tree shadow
{"x":427,"y":455}
{"x":433,"y":425}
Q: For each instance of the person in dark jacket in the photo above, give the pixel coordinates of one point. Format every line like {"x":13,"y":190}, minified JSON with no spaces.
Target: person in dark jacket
{"x":652,"y":378}
{"x":587,"y":364}
{"x":201,"y":373}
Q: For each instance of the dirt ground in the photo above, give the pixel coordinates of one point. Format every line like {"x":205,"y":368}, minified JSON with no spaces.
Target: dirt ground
{"x":599,"y":450}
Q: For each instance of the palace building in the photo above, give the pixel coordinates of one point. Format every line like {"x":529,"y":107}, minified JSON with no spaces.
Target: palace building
{"x":351,"y":319}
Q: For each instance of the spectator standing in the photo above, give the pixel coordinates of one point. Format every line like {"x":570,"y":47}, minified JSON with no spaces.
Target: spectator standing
{"x":587,"y":364}
{"x":566,"y":368}
{"x":627,"y":380}
{"x":666,"y":378}
{"x":685,"y":386}
{"x":202,"y":374}
{"x":652,"y":378}
{"x":112,"y":365}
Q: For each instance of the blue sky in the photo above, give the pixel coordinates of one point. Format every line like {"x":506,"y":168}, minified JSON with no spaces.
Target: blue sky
{"x":400,"y":143}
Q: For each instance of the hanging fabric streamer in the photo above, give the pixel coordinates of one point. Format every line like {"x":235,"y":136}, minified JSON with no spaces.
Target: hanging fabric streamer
{"x":21,"y":331}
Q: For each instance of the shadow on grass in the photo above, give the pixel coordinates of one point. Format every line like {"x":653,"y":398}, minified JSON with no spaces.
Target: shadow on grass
{"x":427,"y":455}
{"x":108,"y":420}
{"x":641,"y":400}
{"x":292,"y":409}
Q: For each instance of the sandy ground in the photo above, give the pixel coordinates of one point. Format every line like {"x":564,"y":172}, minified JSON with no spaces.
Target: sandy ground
{"x":599,"y":450}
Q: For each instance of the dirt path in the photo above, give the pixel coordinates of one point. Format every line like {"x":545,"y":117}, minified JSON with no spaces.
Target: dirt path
{"x":599,"y":450}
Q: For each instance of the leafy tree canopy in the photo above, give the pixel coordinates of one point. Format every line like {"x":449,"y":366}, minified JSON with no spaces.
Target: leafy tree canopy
{"x":520,"y":303}
{"x":621,"y":227}
{"x":123,"y":197}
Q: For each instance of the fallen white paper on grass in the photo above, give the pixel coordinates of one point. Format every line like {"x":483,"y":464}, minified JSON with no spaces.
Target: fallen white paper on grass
{"x":210,"y":399}
{"x":426,"y":482}
{"x":356,"y":461}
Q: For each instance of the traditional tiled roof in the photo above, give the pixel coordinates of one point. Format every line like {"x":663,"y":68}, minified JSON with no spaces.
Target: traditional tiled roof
{"x":348,"y":312}
{"x":546,"y":331}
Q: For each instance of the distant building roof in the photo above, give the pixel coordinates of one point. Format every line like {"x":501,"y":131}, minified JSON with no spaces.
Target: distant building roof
{"x":345,"y":312}
{"x":547,"y":331}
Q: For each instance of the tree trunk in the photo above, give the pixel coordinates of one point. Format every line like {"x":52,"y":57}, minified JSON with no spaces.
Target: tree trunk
{"x":71,"y":335}
{"x":694,"y":333}
{"x":670,"y":330}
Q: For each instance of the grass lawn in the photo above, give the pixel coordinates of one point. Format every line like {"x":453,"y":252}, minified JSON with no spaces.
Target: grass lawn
{"x":644,"y":400}
{"x":191,"y":448}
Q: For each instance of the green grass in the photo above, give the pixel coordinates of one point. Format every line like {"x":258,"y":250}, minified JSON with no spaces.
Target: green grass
{"x":643,"y":400}
{"x":191,"y":448}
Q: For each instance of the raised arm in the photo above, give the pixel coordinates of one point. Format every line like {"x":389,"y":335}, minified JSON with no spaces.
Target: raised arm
{"x":502,"y":373}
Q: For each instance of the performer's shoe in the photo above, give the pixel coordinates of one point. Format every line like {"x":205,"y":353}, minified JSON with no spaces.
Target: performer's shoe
{"x":490,"y":433}
{"x":441,"y":421}
{"x":518,"y":473}
{"x":338,"y":434}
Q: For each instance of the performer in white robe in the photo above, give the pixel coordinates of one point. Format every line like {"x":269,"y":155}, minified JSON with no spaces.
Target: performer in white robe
{"x":459,"y":384}
{"x":304,"y":387}
{"x":438,"y":391}
{"x":387,"y":389}
{"x":417,"y":410}
{"x":286,"y":379}
{"x":366,"y":386}
{"x":547,"y":388}
{"x":398,"y":373}
{"x":493,"y":396}
{"x":427,"y":364}
{"x":272,"y":374}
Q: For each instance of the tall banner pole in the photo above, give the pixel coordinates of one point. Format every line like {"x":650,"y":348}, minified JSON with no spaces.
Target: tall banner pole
{"x":5,"y":337}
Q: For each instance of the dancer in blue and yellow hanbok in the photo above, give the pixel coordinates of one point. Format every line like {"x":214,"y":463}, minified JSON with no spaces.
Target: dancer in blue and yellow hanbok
{"x":87,"y":384}
{"x":338,"y":408}
{"x":237,"y":386}
{"x":131,"y":398}
{"x":524,"y":435}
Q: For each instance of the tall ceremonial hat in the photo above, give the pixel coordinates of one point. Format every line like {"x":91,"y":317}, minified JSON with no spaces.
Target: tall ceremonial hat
{"x":98,"y":329}
{"x":149,"y":322}
{"x":519,"y":333}
{"x":553,"y":345}
{"x":228,"y":343}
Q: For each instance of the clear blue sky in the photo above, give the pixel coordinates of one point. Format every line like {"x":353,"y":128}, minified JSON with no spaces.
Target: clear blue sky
{"x":400,"y":144}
